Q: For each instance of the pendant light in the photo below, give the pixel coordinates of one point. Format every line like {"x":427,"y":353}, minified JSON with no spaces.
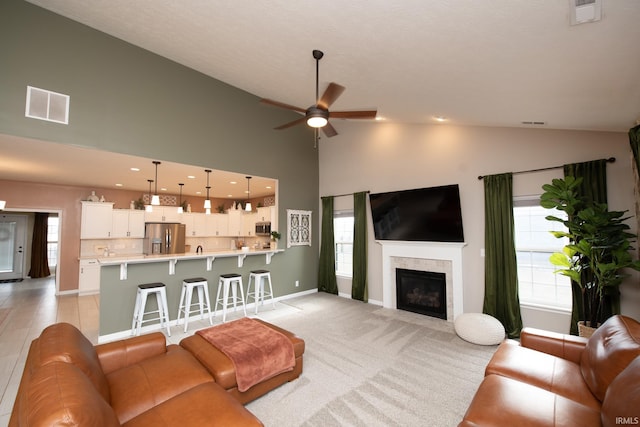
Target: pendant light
{"x":155,"y":200}
{"x":180,"y":210}
{"x":247,"y":206}
{"x":207,"y":202}
{"x":149,"y":207}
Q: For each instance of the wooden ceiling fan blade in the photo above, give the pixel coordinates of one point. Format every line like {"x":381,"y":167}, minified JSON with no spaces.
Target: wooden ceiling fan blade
{"x":282,"y":105}
{"x":330,"y":95}
{"x":293,"y":123}
{"x":329,"y":130}
{"x":361,"y":114}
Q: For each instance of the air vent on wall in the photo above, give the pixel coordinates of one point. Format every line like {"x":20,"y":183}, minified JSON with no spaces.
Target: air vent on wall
{"x":583,"y":11}
{"x":44,"y":104}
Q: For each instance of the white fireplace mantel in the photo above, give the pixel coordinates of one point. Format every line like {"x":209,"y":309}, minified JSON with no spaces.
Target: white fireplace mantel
{"x":440,"y":251}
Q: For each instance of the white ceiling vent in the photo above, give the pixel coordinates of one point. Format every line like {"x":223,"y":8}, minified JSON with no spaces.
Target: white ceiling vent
{"x":583,"y":11}
{"x":47,"y":105}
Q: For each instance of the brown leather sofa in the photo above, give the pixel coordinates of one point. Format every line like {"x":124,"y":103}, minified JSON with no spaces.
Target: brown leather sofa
{"x":134,"y":382}
{"x":550,"y":379}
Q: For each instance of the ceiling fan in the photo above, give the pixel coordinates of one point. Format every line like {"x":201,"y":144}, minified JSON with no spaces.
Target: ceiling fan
{"x":318,"y":115}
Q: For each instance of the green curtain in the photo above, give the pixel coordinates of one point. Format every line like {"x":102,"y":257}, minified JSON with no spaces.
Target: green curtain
{"x":634,"y":141}
{"x":327,"y":268}
{"x":501,"y":277}
{"x":359,"y":280}
{"x":39,"y":260}
{"x":593,"y":190}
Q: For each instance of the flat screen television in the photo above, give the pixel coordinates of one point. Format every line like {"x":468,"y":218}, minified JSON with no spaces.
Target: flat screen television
{"x":424,"y":214}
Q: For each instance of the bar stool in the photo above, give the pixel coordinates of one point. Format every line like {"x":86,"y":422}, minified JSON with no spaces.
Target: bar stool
{"x":259,"y":277}
{"x":227,"y":281}
{"x":186,"y":299}
{"x":159,"y":289}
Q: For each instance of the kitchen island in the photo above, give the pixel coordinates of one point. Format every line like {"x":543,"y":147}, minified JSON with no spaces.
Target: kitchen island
{"x":121,"y":275}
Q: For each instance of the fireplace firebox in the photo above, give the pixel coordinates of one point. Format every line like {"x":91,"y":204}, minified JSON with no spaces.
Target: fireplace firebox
{"x":422,"y":292}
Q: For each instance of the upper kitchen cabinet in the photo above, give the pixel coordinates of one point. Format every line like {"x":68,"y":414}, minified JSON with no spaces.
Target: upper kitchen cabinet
{"x":195,"y":224}
{"x":127,"y":223}
{"x":163,"y":214}
{"x":96,"y":222}
{"x":266,"y":214}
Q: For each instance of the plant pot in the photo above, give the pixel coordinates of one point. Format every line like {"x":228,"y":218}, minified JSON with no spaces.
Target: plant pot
{"x":273,"y":245}
{"x":584,"y":330}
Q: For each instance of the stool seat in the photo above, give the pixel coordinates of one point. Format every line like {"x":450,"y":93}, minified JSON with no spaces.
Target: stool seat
{"x":144,"y":290}
{"x":225,"y":283}
{"x":186,"y":303}
{"x":259,"y":293}
{"x":151,"y":285}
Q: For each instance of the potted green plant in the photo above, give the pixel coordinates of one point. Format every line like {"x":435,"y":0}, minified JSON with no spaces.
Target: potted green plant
{"x":275,"y":236}
{"x":598,"y":249}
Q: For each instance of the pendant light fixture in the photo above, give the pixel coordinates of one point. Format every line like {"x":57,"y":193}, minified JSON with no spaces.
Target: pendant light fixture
{"x":247,"y":206}
{"x":207,"y":202}
{"x":149,"y":207}
{"x":180,"y":210}
{"x":155,"y":200}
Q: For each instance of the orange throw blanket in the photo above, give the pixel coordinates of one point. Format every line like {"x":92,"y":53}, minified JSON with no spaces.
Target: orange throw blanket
{"x":257,"y":351}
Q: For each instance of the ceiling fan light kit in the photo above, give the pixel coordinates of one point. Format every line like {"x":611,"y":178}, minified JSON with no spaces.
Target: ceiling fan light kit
{"x":318,"y":115}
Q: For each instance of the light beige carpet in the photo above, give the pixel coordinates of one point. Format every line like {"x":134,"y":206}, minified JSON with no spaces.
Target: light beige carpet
{"x":369,"y":366}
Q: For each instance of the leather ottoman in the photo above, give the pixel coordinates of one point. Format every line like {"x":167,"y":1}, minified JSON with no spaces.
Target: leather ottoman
{"x":221,"y":367}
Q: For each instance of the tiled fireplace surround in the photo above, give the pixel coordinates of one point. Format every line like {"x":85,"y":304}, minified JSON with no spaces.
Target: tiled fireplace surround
{"x":424,"y":256}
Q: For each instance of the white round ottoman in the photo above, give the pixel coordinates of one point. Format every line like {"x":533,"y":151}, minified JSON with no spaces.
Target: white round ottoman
{"x":479,"y":328}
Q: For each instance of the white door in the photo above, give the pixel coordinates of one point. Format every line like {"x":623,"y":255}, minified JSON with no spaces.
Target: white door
{"x":13,"y":231}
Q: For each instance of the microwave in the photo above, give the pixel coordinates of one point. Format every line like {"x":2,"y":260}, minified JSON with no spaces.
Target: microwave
{"x":263,"y":228}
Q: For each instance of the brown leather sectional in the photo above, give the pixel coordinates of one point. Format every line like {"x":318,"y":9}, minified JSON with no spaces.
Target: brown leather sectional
{"x":550,"y":379}
{"x":134,"y":382}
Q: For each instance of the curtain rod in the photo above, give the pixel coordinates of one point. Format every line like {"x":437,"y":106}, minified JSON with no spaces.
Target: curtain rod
{"x":609,"y":160}
{"x":348,"y":194}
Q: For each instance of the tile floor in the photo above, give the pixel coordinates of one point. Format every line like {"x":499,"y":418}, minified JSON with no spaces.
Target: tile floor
{"x":31,"y":305}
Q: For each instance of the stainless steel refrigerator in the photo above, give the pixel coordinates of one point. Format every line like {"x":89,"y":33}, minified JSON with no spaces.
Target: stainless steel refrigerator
{"x":164,"y":238}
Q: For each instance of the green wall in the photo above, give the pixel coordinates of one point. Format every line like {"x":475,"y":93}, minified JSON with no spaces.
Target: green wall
{"x":125,"y":99}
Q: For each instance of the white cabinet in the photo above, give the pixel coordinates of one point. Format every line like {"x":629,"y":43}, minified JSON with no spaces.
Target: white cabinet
{"x":96,"y":220}
{"x":127,"y":223}
{"x":195,"y":224}
{"x":217,"y":225}
{"x":89,"y":277}
{"x":265,"y":214}
{"x":163,"y":214}
{"x":235,"y":223}
{"x":249,"y":224}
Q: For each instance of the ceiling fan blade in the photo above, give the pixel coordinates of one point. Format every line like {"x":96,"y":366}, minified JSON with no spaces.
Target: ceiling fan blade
{"x":329,"y":130}
{"x":293,"y":123}
{"x":330,"y":95}
{"x":282,"y":105}
{"x":362,"y":114}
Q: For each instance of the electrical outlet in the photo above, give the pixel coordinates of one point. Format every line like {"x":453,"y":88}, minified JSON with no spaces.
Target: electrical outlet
{"x":297,"y":283}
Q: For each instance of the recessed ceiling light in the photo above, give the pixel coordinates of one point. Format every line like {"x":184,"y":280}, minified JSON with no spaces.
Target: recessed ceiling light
{"x":198,"y":192}
{"x":135,"y":169}
{"x":268,"y":186}
{"x":439,"y":118}
{"x":163,"y":189}
{"x":380,"y":119}
{"x":191,"y":177}
{"x":233,"y":182}
{"x":118,"y":185}
{"x":229,"y":195}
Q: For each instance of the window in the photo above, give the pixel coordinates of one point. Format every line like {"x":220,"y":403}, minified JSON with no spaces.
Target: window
{"x":343,"y":240}
{"x":538,"y":285}
{"x":52,"y":240}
